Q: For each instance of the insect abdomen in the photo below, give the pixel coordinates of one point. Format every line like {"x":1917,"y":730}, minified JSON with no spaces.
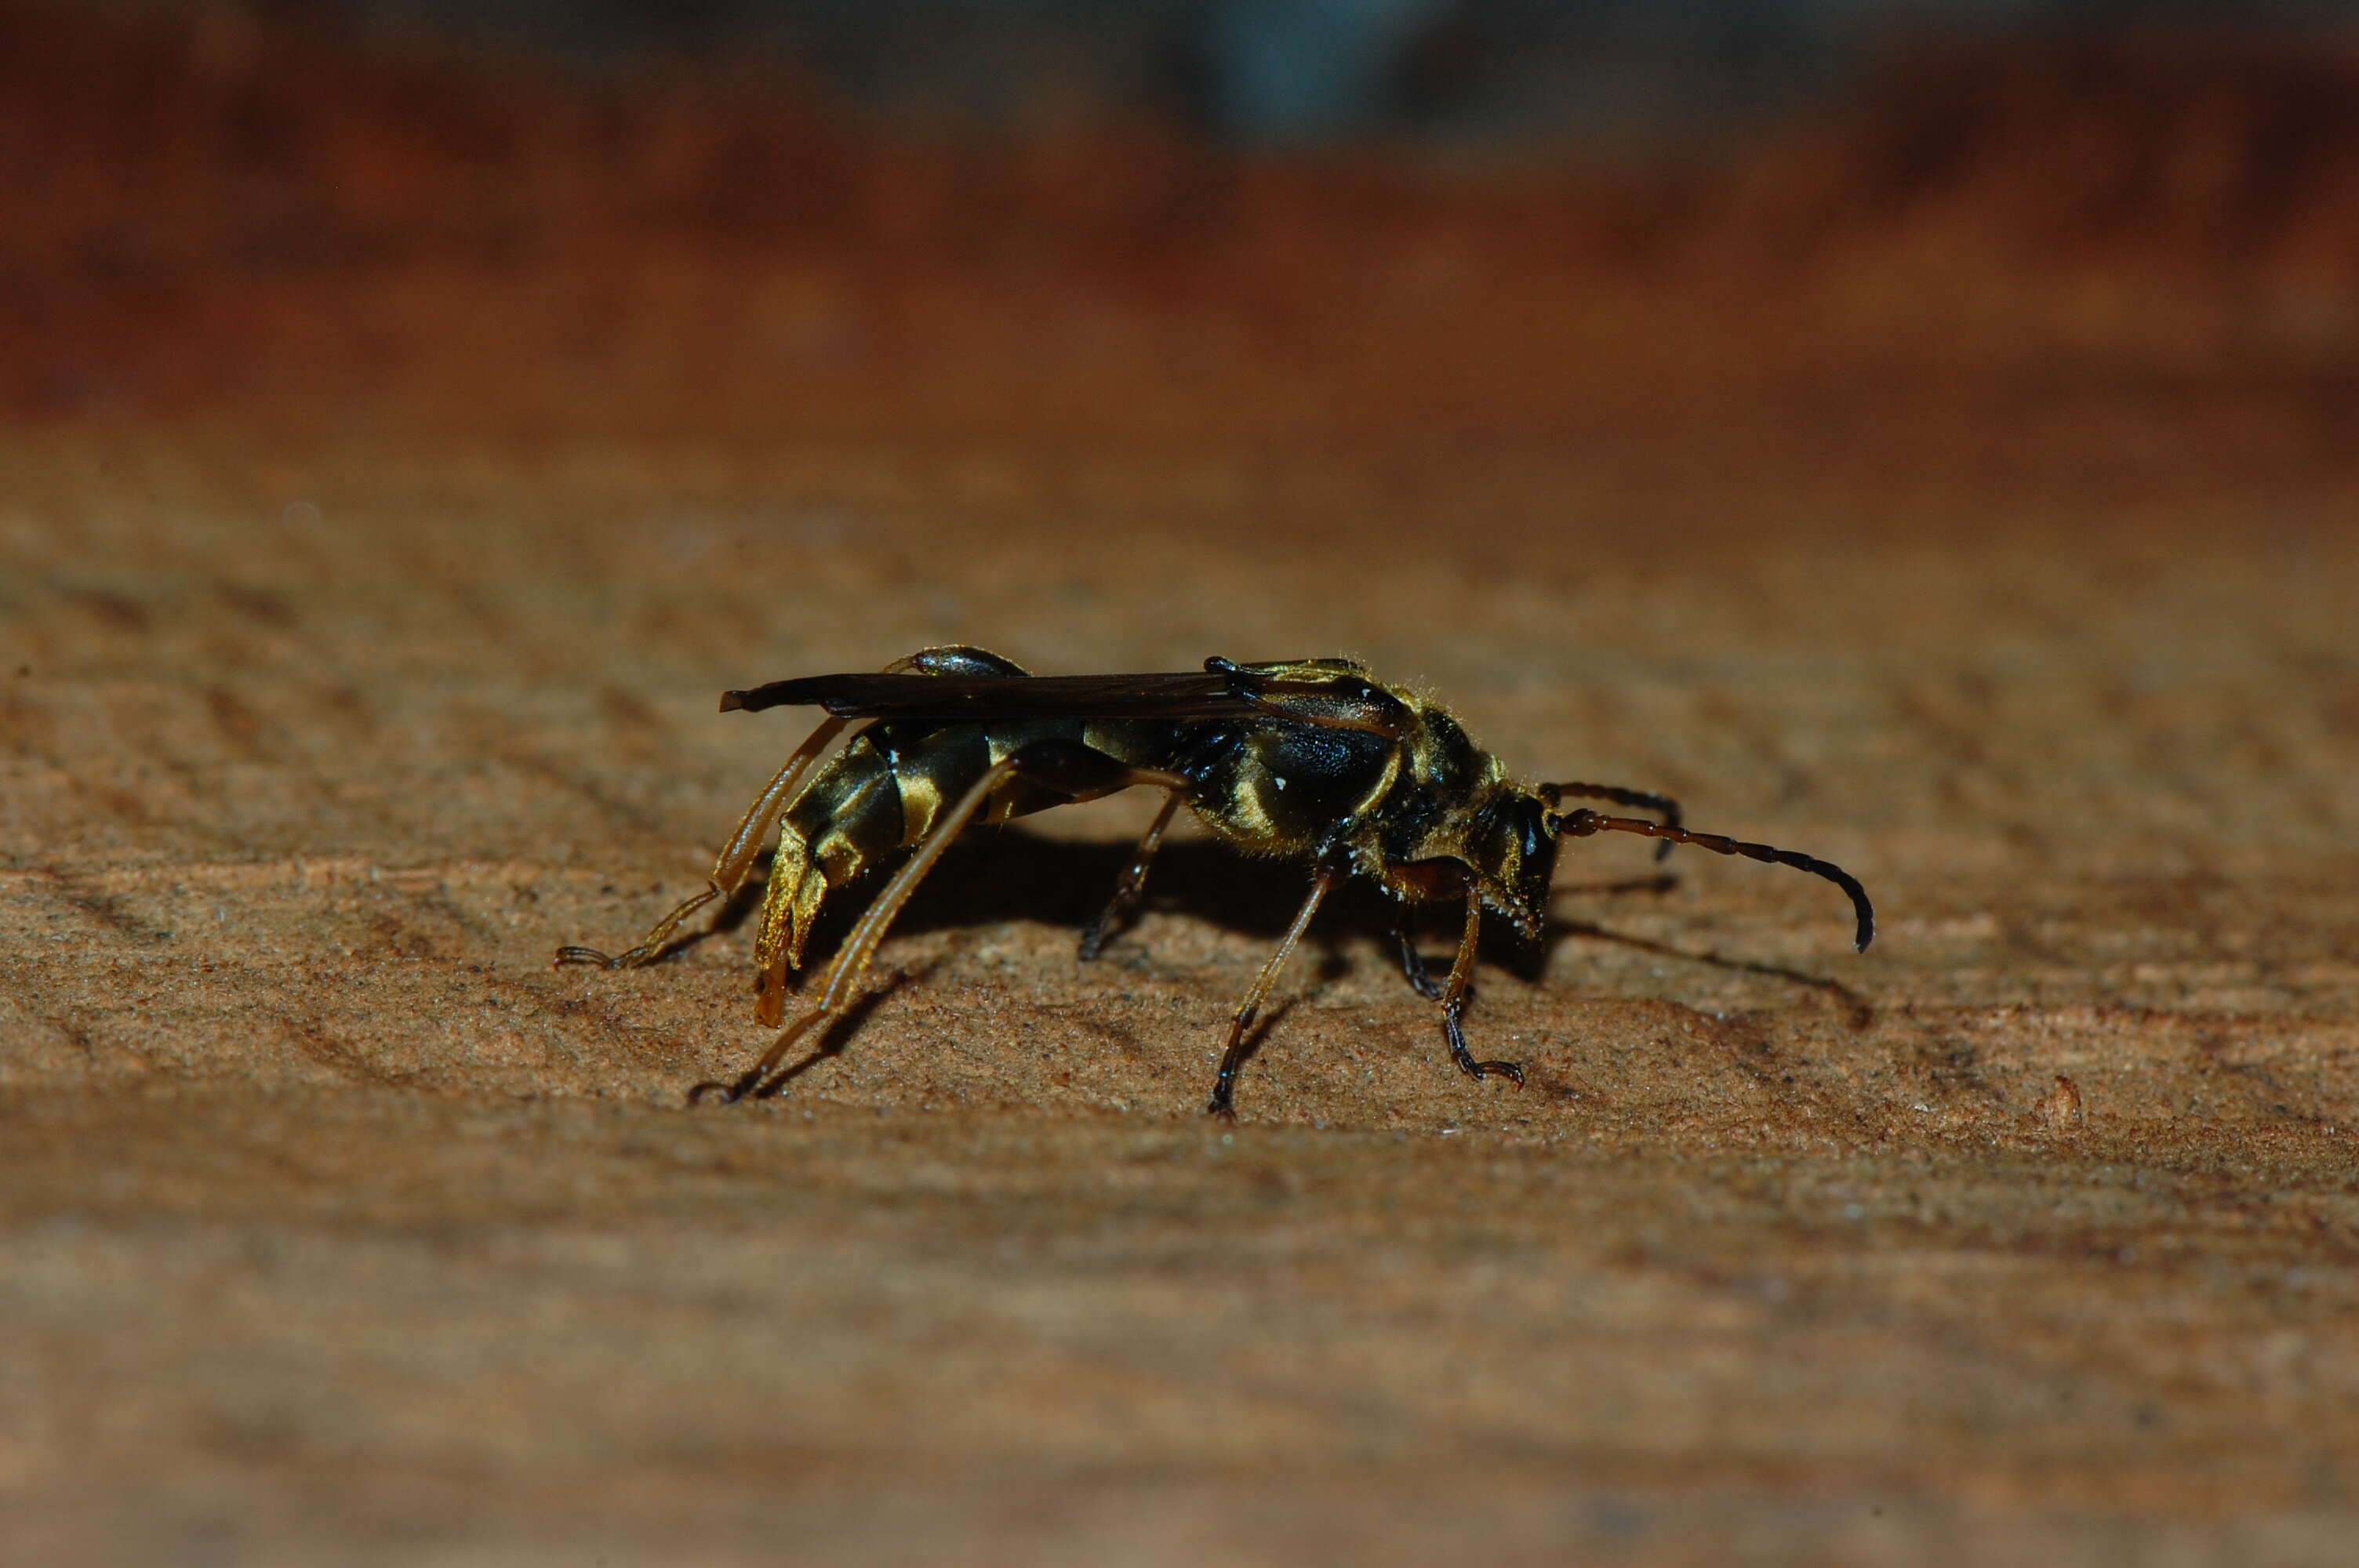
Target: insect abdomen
{"x":842,"y":819}
{"x":845,"y":819}
{"x":882,"y":793}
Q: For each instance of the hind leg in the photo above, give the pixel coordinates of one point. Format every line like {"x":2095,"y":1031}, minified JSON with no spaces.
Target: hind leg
{"x":745,"y":846}
{"x":1065,"y":767}
{"x":736,"y":861}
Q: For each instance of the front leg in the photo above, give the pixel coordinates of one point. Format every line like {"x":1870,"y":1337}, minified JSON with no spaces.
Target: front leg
{"x":1412,"y":963}
{"x":1453,"y":1000}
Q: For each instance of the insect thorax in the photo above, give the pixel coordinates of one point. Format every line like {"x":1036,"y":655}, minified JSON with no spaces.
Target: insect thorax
{"x":1284,"y":789}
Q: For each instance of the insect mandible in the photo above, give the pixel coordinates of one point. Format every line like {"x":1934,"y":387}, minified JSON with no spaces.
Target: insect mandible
{"x":1309,"y":760}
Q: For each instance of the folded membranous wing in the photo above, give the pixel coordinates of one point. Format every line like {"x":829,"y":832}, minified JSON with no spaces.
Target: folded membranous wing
{"x":1343,"y":699}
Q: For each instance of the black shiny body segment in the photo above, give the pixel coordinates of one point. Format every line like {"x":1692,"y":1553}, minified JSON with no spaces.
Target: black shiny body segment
{"x":1281,"y":789}
{"x":1443,"y":769}
{"x":888,"y":786}
{"x":885,"y":788}
{"x":1266,"y":787}
{"x":1314,"y":761}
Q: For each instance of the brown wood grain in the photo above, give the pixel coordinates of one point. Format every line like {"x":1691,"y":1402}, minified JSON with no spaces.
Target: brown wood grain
{"x":335,"y":1217}
{"x":398,"y":464}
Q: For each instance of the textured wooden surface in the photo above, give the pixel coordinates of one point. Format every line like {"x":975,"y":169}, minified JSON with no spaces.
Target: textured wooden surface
{"x":333,"y":1216}
{"x":397,"y":465}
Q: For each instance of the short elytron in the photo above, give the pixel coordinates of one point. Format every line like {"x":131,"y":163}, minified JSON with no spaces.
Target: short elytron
{"x":1307,"y":760}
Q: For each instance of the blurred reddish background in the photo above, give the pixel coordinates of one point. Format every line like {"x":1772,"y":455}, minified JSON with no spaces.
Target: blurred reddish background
{"x":278,"y":215}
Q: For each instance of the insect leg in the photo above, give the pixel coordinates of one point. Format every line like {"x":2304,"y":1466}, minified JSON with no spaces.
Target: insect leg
{"x":1640,"y":798}
{"x":1065,"y":766}
{"x":736,"y":861}
{"x":1453,"y":1001}
{"x":1584,"y":822}
{"x":1132,"y":884}
{"x":1224,"y":1084}
{"x":1412,"y":962}
{"x":745,"y":846}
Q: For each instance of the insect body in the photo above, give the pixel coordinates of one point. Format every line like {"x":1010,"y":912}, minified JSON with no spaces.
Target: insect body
{"x":1309,"y":760}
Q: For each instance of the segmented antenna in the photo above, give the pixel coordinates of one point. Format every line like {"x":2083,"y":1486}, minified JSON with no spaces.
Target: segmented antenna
{"x":1644,"y":800}
{"x":1582,"y":823}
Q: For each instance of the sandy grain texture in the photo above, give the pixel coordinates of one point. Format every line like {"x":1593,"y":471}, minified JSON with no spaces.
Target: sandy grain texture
{"x":333,"y":1214}
{"x":367,"y":582}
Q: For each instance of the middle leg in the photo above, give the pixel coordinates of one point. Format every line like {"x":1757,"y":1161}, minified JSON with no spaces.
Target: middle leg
{"x":1131,"y":884}
{"x":1412,"y":962}
{"x":736,"y":861}
{"x":1224,"y":1084}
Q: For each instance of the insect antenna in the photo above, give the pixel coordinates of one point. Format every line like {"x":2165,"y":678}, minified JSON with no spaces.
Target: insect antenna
{"x":1582,"y":823}
{"x":1644,"y":800}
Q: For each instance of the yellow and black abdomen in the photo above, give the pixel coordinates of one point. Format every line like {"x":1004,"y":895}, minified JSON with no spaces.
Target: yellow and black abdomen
{"x":888,"y":786}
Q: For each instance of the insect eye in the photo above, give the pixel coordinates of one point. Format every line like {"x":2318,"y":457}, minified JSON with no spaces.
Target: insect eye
{"x":1540,"y":828}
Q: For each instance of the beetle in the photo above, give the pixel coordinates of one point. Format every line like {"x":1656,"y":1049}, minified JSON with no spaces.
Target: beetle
{"x":1307,"y":760}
